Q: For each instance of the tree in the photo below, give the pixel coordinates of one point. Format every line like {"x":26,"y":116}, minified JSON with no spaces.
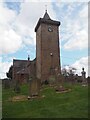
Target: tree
{"x":72,"y":71}
{"x":64,"y":72}
{"x":9,"y":73}
{"x":69,"y":72}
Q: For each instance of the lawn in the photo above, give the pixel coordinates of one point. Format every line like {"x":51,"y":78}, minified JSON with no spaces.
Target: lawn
{"x":0,"y":99}
{"x":73,"y":104}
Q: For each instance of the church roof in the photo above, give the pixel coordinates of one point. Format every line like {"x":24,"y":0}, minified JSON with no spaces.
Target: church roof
{"x":47,"y":20}
{"x":20,"y":63}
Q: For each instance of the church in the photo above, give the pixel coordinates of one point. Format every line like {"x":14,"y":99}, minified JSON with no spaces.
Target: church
{"x":47,"y":53}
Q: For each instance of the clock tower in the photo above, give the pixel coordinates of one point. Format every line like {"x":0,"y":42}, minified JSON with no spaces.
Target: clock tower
{"x":47,"y":47}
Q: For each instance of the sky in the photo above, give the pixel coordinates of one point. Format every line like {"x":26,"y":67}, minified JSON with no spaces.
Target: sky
{"x":18,"y":39}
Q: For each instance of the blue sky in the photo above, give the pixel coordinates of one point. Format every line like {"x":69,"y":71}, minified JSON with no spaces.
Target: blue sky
{"x":13,"y":5}
{"x":17,"y":23}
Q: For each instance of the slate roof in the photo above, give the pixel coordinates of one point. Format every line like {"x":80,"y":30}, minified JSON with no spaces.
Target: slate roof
{"x":20,"y":63}
{"x":20,"y":66}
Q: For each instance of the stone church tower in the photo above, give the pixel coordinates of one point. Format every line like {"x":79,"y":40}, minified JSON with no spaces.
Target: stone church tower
{"x":47,"y":47}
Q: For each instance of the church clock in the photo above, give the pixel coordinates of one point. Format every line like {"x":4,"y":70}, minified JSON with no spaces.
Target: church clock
{"x":50,"y":29}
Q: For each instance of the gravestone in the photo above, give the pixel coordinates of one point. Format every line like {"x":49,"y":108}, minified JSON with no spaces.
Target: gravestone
{"x":17,"y":87}
{"x":83,"y":76}
{"x":52,"y":80}
{"x":34,"y":86}
{"x":58,"y":76}
{"x":59,"y":81}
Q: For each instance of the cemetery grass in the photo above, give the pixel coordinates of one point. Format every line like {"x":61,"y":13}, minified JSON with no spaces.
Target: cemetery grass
{"x":0,"y":99}
{"x":73,"y":104}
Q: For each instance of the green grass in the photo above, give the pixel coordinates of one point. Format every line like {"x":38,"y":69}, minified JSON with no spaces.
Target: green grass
{"x":73,"y":104}
{"x":0,"y":99}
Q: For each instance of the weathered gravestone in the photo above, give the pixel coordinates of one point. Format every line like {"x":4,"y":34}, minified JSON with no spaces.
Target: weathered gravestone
{"x":55,"y":77}
{"x":59,"y":78}
{"x":34,"y":86}
{"x":17,"y":87}
{"x":59,"y":81}
{"x":52,"y":80}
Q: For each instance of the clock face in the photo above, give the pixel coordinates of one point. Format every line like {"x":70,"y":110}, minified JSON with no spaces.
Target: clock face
{"x":50,"y":29}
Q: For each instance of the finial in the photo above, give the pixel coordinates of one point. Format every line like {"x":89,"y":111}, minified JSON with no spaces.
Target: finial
{"x":46,"y":8}
{"x":83,"y":68}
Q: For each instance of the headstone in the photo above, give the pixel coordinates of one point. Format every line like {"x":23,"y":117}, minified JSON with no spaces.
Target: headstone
{"x":83,"y":76}
{"x":59,"y":81}
{"x":34,"y":87}
{"x":17,"y":87}
{"x":52,"y":80}
{"x":58,"y":76}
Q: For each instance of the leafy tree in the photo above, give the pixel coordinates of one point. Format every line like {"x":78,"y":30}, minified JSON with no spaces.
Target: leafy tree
{"x":9,"y":73}
{"x":64,"y":72}
{"x":72,"y":71}
{"x":69,"y":72}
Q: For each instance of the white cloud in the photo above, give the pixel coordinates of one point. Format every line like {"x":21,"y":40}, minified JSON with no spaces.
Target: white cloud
{"x":45,"y":0}
{"x":38,"y":0}
{"x":79,"y":42}
{"x":74,"y":26}
{"x":26,"y":21}
{"x":6,"y":15}
{"x":10,"y":41}
{"x":72,"y":1}
{"x":4,"y":67}
{"x":18,"y":29}
{"x":84,"y":12}
{"x":27,"y":0}
{"x":79,"y":64}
